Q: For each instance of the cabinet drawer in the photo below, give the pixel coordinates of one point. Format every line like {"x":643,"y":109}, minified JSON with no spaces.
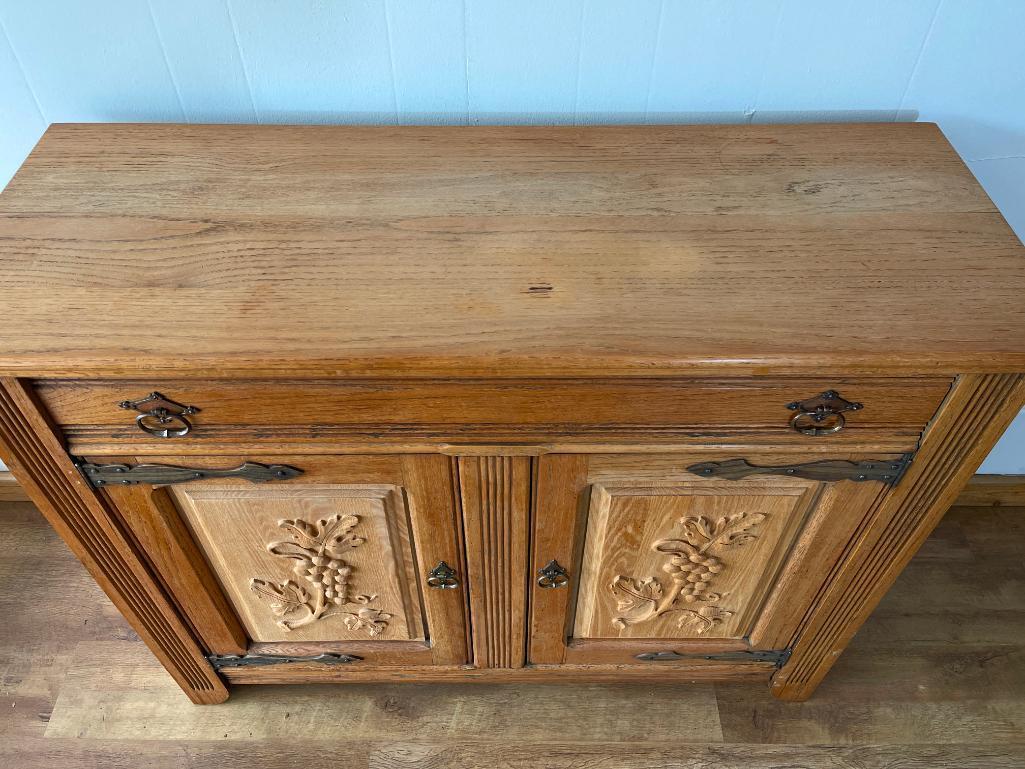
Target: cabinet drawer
{"x":904,"y":405}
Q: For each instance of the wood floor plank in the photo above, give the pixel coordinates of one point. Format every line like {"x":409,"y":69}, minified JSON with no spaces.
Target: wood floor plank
{"x":993,"y":533}
{"x":893,"y":628}
{"x":642,"y":756}
{"x":155,"y":754}
{"x":924,"y":695}
{"x":959,"y":588}
{"x":49,"y":605}
{"x":117,"y":691}
{"x":288,"y":754}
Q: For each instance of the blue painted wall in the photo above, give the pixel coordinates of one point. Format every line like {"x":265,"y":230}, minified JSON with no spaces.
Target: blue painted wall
{"x":958,"y":62}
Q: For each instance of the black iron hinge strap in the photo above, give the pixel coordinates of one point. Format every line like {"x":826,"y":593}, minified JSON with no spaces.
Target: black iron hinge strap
{"x":130,"y":475}
{"x":888,"y":471}
{"x":220,"y":661}
{"x":777,"y":657}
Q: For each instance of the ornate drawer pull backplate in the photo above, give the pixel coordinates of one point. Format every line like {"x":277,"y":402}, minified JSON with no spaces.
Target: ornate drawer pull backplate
{"x":442,"y":577}
{"x":160,"y":416}
{"x":821,"y":415}
{"x":552,"y":575}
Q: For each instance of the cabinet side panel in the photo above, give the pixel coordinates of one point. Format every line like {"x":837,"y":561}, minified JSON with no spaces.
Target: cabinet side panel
{"x":977,"y":411}
{"x":82,"y":519}
{"x":496,"y":513}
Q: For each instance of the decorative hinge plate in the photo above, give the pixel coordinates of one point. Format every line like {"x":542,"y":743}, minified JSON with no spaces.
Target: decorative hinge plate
{"x":130,"y":475}
{"x":777,"y":657}
{"x":888,"y":471}
{"x":221,"y":661}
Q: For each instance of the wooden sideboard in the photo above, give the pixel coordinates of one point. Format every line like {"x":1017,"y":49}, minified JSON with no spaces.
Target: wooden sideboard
{"x":350,"y":404}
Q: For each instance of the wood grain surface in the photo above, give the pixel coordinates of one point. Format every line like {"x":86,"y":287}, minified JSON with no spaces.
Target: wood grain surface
{"x":894,"y":403}
{"x":627,"y":524}
{"x":496,"y":518}
{"x":602,"y":515}
{"x":504,"y":251}
{"x":237,"y":526}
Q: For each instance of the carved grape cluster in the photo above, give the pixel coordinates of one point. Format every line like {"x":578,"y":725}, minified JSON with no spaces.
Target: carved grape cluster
{"x":332,"y":576}
{"x":319,"y":550}
{"x":691,"y":568}
{"x":693,"y":571}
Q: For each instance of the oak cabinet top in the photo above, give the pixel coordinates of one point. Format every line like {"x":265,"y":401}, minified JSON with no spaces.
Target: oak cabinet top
{"x":317,"y":251}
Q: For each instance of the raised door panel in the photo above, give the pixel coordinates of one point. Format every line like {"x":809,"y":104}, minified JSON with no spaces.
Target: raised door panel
{"x":661,"y":561}
{"x":318,"y":563}
{"x":684,"y":560}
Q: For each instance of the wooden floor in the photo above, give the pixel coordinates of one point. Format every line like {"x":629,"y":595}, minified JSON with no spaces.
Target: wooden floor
{"x":935,"y":679}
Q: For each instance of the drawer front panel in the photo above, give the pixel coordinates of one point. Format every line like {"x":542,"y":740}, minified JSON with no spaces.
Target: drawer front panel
{"x":904,"y":405}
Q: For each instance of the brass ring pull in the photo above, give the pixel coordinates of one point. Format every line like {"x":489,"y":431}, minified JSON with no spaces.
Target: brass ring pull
{"x":164,"y":424}
{"x":821,"y":415}
{"x":815,"y":423}
{"x":442,"y":577}
{"x":552,"y":575}
{"x":160,"y":416}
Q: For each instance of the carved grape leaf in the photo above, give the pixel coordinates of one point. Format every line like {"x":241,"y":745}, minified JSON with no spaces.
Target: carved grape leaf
{"x":636,"y":599}
{"x":302,"y":532}
{"x":737,"y":528}
{"x":697,"y":529}
{"x":374,"y":621}
{"x":336,"y":535}
{"x":728,"y":530}
{"x":331,"y":532}
{"x":284,"y":598}
{"x":704,"y":618}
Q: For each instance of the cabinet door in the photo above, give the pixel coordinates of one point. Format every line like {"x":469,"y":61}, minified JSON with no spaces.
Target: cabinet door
{"x":655,"y":563}
{"x":342,"y":558}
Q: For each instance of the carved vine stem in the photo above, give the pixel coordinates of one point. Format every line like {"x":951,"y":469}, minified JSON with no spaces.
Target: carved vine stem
{"x":692,"y":569}
{"x":319,"y":553}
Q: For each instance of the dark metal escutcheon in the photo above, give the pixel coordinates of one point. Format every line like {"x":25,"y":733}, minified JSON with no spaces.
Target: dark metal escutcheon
{"x":130,"y":475}
{"x":160,"y":416}
{"x":442,"y":577}
{"x":821,"y":415}
{"x":552,"y":575}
